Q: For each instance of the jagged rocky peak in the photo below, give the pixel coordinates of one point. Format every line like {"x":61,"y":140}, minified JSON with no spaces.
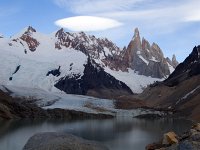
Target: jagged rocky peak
{"x":136,"y":33}
{"x":174,"y":61}
{"x":136,"y":41}
{"x":147,"y":59}
{"x":27,"y":37}
{"x":157,"y":50}
{"x":145,"y":44}
{"x":29,"y":30}
{"x":60,"y":33}
{"x":169,"y":60}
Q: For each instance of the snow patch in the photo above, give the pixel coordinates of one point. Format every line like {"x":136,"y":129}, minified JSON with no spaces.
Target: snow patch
{"x":107,"y":51}
{"x":138,"y":52}
{"x":144,"y":60}
{"x":188,"y":94}
{"x":154,"y":59}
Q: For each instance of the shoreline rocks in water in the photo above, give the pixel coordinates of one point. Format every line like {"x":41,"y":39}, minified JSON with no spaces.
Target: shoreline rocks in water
{"x":188,"y":141}
{"x":60,"y":141}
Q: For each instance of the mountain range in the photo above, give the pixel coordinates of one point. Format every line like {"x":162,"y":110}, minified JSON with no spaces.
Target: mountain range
{"x":77,"y":63}
{"x":42,"y":67}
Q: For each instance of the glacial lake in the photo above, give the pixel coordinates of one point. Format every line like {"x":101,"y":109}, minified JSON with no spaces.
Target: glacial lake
{"x":116,"y":134}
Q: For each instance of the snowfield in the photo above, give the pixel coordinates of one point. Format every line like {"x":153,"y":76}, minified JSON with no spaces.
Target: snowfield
{"x":137,"y":83}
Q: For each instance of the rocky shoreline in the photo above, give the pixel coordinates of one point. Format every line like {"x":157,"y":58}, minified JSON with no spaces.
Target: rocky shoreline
{"x":189,"y":140}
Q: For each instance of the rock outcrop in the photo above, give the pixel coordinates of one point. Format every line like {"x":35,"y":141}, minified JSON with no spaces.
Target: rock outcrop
{"x":169,"y":138}
{"x":31,"y":42}
{"x":60,"y":141}
{"x":187,"y":141}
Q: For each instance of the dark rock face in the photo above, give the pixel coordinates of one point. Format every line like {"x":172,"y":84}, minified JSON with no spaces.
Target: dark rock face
{"x":60,"y":141}
{"x":16,"y":70}
{"x":55,"y":72}
{"x":147,"y":59}
{"x":94,"y":78}
{"x":188,"y":68}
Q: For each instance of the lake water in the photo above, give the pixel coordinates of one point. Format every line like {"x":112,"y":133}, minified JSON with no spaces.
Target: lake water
{"x":116,"y":134}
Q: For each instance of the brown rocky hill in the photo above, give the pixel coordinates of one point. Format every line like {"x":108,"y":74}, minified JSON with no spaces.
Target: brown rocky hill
{"x":181,"y":90}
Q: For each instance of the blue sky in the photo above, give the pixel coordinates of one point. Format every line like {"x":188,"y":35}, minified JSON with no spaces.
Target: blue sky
{"x":173,"y":25}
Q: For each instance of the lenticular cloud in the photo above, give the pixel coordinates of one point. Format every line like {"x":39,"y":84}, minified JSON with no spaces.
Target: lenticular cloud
{"x":87,"y":23}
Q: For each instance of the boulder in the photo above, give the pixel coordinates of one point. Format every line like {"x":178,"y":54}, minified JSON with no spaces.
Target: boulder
{"x":170,"y":138}
{"x":196,"y":127}
{"x":60,"y":141}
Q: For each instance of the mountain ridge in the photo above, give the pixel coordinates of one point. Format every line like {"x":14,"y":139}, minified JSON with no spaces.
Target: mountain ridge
{"x":38,"y":54}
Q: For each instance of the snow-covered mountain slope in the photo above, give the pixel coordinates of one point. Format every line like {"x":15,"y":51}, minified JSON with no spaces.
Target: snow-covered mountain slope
{"x":34,"y":60}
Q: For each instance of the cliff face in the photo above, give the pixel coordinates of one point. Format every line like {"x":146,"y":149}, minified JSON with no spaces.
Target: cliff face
{"x":147,"y":59}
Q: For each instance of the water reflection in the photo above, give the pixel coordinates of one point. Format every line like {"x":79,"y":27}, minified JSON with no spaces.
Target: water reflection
{"x":117,"y":134}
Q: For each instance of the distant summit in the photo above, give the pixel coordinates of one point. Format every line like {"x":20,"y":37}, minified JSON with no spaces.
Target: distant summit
{"x":147,"y":59}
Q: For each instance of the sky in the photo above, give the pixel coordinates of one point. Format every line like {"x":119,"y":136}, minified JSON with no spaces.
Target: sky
{"x":173,"y":24}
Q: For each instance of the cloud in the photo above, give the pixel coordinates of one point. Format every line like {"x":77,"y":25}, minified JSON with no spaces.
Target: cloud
{"x":88,"y":23}
{"x":161,"y":13}
{"x":96,"y":6}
